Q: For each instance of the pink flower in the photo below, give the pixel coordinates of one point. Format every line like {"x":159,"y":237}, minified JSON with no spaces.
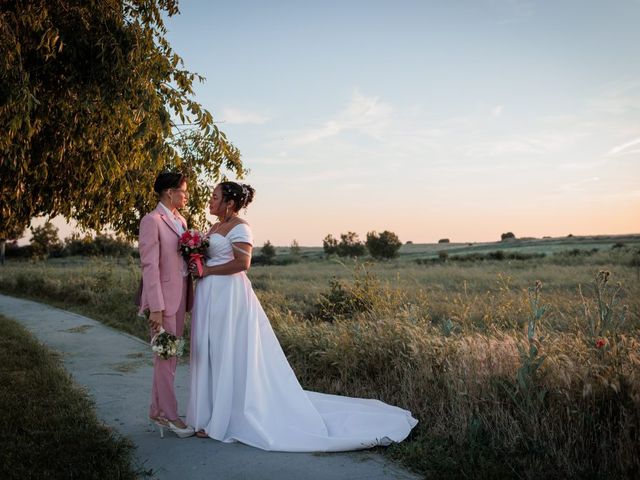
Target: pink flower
{"x":601,"y":342}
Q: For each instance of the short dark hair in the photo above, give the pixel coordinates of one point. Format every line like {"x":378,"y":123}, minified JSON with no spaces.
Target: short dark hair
{"x":241,"y":193}
{"x":167,"y":180}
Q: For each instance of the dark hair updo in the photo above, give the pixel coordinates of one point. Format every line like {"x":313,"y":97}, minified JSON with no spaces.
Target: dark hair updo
{"x":167,"y":180}
{"x":241,"y":193}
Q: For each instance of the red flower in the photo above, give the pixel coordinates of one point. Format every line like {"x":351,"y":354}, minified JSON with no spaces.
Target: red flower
{"x":601,"y":342}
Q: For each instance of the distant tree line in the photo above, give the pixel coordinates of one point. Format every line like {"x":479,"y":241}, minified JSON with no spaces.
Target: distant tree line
{"x":45,"y":243}
{"x":379,"y":246}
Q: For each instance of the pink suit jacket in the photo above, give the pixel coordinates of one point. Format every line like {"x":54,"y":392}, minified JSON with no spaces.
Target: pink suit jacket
{"x":162,"y":265}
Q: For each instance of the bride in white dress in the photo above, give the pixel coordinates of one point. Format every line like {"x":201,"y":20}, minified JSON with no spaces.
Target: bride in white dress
{"x":242,"y":387}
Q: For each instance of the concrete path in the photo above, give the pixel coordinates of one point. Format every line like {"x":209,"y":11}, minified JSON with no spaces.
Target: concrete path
{"x":116,"y":370}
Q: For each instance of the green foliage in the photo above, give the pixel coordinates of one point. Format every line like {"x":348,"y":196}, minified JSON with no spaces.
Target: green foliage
{"x":383,"y":246}
{"x":350,"y":245}
{"x":344,"y":299}
{"x":527,"y":395}
{"x":94,"y":103}
{"x":45,"y":240}
{"x":497,"y":255}
{"x":608,"y":317}
{"x":507,"y":236}
{"x":294,"y":249}
{"x":329,"y":245}
{"x":268,"y":252}
{"x":100,"y":245}
{"x":365,"y":294}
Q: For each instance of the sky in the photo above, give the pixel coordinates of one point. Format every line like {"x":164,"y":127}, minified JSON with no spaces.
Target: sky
{"x":432,"y":119}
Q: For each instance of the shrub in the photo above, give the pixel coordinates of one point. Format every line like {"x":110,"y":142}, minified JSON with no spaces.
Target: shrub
{"x":13,"y":250}
{"x":385,"y":245}
{"x":101,"y":245}
{"x":497,"y":255}
{"x":365,"y":295}
{"x":507,"y":236}
{"x":443,"y":240}
{"x":350,"y":245}
{"x":294,"y":249}
{"x":268,"y":252}
{"x":330,"y":245}
{"x":45,"y":241}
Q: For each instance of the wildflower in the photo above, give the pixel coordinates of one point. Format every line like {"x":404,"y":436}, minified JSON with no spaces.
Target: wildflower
{"x":601,"y":342}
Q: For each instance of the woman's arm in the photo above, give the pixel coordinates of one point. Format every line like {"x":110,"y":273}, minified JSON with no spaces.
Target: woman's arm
{"x":240,"y":263}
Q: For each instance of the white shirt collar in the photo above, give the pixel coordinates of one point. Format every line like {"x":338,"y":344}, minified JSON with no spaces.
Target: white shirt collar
{"x":169,"y":212}
{"x":177,"y":221}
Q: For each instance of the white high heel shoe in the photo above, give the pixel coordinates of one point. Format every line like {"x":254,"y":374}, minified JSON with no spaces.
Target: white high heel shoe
{"x":180,"y":432}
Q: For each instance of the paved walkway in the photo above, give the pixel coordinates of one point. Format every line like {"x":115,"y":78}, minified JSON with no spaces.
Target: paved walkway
{"x":116,"y":370}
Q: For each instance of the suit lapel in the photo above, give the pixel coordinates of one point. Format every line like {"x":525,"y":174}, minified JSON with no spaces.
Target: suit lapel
{"x":167,"y":220}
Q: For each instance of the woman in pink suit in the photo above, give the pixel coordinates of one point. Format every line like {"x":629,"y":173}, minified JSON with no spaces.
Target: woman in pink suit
{"x":166,"y":290}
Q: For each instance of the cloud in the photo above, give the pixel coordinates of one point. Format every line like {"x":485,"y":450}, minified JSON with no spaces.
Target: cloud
{"x":234,"y":116}
{"x":618,"y":98}
{"x":625,"y":148}
{"x":497,"y":111}
{"x":366,"y":115}
{"x":578,"y":186}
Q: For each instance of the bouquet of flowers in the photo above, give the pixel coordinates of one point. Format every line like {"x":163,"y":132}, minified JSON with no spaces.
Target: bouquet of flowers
{"x":193,"y":246}
{"x":166,"y":345}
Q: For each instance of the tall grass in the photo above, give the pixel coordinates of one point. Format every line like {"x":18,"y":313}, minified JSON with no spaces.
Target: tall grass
{"x":509,"y":378}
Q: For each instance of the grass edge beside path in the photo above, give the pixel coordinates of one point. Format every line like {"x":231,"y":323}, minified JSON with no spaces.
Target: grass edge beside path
{"x":48,"y":425}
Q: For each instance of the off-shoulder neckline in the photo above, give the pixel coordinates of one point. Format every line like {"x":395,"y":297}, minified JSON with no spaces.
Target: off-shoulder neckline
{"x":231,"y":230}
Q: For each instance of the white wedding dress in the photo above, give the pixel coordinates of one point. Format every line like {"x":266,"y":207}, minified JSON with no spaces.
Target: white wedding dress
{"x":243,"y":389}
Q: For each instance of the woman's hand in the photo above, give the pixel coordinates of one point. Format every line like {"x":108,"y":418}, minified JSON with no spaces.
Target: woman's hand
{"x":193,"y":269}
{"x":155,"y":321}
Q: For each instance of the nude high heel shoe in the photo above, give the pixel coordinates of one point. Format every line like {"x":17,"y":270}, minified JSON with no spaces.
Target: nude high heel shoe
{"x":160,"y":423}
{"x":163,"y":423}
{"x":180,"y":432}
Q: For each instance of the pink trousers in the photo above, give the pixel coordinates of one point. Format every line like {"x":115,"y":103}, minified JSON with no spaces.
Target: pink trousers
{"x":163,"y":396}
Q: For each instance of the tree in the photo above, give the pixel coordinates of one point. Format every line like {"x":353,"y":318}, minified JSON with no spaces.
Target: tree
{"x":329,"y":245}
{"x":268,"y":252}
{"x":11,"y":232}
{"x":44,"y":240}
{"x":350,"y":245}
{"x":385,"y":245}
{"x":294,"y":249}
{"x":507,"y":236}
{"x":94,"y":103}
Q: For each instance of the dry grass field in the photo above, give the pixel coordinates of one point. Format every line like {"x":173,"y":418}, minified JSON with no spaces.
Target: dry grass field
{"x":517,"y":366}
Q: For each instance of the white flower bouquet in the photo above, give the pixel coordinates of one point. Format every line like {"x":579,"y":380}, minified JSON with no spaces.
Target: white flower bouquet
{"x":167,"y":345}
